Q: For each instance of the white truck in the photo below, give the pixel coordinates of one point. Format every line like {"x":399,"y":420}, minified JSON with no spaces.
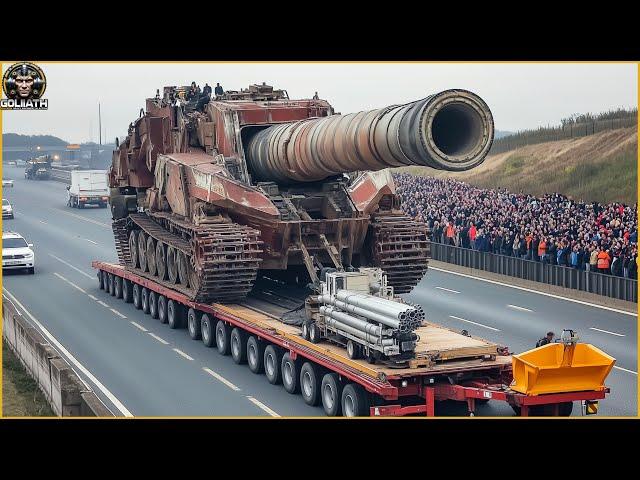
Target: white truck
{"x":88,"y":187}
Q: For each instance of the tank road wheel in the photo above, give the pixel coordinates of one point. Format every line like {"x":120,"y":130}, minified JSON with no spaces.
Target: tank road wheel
{"x":144,"y":300}
{"x":310,"y":383}
{"x":153,"y":304}
{"x":117,"y":285}
{"x":137,"y":296}
{"x":142,"y":251}
{"x":183,"y":268}
{"x":272,"y":361}
{"x":174,"y":314}
{"x":162,"y":309}
{"x":194,"y":279}
{"x":238,"y":346}
{"x":127,"y":294}
{"x":101,"y":279}
{"x":355,"y":401}
{"x":112,"y":285}
{"x":255,"y":354}
{"x":151,"y":256}
{"x":133,"y":248}
{"x":207,"y":330}
{"x":172,"y":265}
{"x":193,"y":324}
{"x":161,"y":260}
{"x":290,"y":374}
{"x":331,"y":395}
{"x":222,"y":338}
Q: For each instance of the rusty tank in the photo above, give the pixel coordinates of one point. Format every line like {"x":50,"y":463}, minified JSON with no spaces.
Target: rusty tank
{"x":209,"y":194}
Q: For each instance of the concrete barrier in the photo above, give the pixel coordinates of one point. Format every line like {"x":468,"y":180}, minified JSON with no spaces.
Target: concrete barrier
{"x":67,"y":394}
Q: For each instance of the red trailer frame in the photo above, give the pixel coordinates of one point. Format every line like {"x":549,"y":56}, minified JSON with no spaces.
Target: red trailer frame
{"x":419,"y":392}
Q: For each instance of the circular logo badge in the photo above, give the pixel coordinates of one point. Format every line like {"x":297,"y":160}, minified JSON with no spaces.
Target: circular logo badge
{"x":25,"y":81}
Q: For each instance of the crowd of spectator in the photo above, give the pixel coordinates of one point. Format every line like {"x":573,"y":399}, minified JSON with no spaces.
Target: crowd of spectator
{"x":553,"y":229}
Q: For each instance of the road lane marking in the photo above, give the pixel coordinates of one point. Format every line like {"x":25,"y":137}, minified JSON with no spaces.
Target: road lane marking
{"x":535,"y":291}
{"x":625,"y":370}
{"x":80,"y":217}
{"x":91,"y":241}
{"x":606,"y":331}
{"x":161,"y":340}
{"x":475,"y":323}
{"x":182,"y":354}
{"x":70,"y":283}
{"x":43,"y":222}
{"x":221,"y":378}
{"x":92,"y":297}
{"x":117,"y":313}
{"x":516,"y":307}
{"x":71,"y":266}
{"x":137,"y":325}
{"x":73,"y":359}
{"x":261,"y":405}
{"x":103,"y":304}
{"x":447,"y":290}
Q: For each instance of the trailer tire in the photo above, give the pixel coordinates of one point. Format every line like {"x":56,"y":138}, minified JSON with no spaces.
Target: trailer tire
{"x":565,"y":409}
{"x":238,"y":346}
{"x":305,"y":329}
{"x":110,"y":287}
{"x":101,"y":279}
{"x":272,"y":361}
{"x":208,"y":331}
{"x":310,"y":383}
{"x":153,"y":304}
{"x":355,"y":401}
{"x":144,"y":299}
{"x":331,"y":394}
{"x":162,"y":309}
{"x":126,"y":290}
{"x":255,"y":354}
{"x":353,"y":350}
{"x":194,"y":325}
{"x":174,"y":313}
{"x":314,"y":333}
{"x":222,"y":338}
{"x":290,"y":374}
{"x":118,"y":286}
{"x":137,"y":294}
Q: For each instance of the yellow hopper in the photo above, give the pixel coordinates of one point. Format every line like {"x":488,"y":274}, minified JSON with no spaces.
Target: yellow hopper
{"x":557,"y":368}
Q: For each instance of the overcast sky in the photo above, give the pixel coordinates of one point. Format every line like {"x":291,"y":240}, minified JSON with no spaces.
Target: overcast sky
{"x":521,"y":96}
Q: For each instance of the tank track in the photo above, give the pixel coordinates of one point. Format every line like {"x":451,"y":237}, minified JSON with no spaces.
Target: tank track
{"x":401,"y":248}
{"x":217,"y":261}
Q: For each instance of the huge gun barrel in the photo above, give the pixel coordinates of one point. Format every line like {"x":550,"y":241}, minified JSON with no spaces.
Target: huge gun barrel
{"x":450,"y":130}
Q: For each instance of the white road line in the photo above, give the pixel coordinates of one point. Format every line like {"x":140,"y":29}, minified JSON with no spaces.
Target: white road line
{"x":91,"y":241}
{"x":624,"y":312}
{"x":516,"y":307}
{"x":606,"y":331}
{"x":103,"y":304}
{"x":447,"y":290}
{"x":221,"y":378}
{"x":182,"y":354}
{"x":261,"y":405}
{"x":117,"y":313}
{"x":70,"y":283}
{"x":72,"y":359}
{"x":475,"y":323}
{"x":92,"y":297}
{"x":80,"y":217}
{"x":43,"y":222}
{"x":161,"y":340}
{"x":71,"y":266}
{"x":625,"y":370}
{"x":137,"y":325}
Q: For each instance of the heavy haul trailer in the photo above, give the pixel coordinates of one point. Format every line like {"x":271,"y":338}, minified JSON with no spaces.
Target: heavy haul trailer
{"x":448,"y":365}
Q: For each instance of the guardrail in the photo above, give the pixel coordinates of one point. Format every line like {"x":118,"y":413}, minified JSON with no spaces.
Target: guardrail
{"x":67,"y":394}
{"x":63,"y":176}
{"x":592,"y":282}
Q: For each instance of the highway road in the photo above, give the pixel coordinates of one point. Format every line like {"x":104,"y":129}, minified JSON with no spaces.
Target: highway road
{"x":143,"y":368}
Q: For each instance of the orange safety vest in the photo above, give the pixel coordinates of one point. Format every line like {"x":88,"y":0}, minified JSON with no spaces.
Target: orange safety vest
{"x":450,"y":231}
{"x":542,"y":248}
{"x":603,"y":260}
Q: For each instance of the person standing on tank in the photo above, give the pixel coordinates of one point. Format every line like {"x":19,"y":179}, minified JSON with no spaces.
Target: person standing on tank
{"x":218,"y":90}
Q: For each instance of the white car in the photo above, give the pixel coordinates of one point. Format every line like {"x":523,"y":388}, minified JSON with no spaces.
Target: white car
{"x":17,"y":253}
{"x":7,"y":183}
{"x":7,"y":209}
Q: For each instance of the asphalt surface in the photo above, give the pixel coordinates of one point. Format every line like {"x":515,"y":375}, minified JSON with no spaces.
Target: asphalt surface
{"x":152,"y":370}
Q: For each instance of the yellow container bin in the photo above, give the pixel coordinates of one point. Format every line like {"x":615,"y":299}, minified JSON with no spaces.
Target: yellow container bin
{"x":558,"y":368}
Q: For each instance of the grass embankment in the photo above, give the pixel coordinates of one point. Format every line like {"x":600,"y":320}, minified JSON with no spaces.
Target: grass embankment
{"x":600,"y":167}
{"x":21,"y":396}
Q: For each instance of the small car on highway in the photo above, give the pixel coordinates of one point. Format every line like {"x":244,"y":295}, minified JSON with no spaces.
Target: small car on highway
{"x":7,"y":183}
{"x":17,"y":253}
{"x":7,"y":209}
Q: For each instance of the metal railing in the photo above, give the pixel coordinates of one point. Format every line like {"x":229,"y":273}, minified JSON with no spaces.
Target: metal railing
{"x":598,"y":283}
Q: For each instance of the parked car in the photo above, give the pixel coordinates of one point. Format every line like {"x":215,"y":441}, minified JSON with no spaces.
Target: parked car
{"x":12,"y":163}
{"x":17,"y":253}
{"x":7,"y":183}
{"x":7,"y":209}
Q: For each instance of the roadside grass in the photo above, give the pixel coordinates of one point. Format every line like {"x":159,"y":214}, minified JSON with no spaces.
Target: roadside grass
{"x":21,"y":396}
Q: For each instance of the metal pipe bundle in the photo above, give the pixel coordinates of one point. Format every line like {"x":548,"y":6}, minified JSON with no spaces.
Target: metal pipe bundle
{"x":376,"y":317}
{"x":450,"y":130}
{"x":339,"y":321}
